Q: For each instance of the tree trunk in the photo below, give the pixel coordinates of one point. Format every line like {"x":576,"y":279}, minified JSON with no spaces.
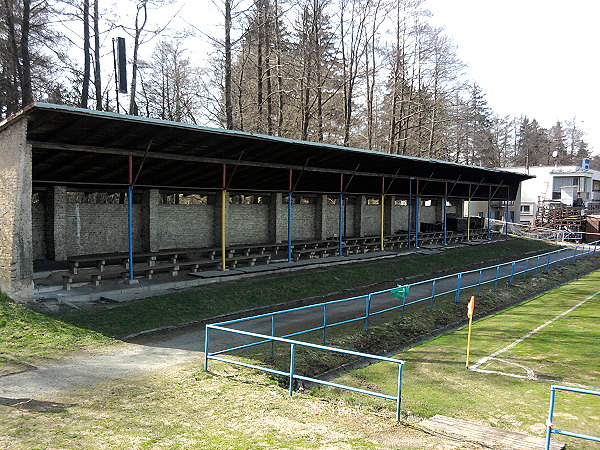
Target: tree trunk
{"x":26,"y":91}
{"x":97,"y":76}
{"x":136,"y":44}
{"x":228,"y":100}
{"x":85,"y":85}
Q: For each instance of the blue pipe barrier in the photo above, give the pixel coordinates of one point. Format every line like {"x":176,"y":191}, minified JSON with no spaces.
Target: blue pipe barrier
{"x":464,"y":280}
{"x":458,"y":281}
{"x":130,"y":229}
{"x":292,"y":375}
{"x":550,"y":426}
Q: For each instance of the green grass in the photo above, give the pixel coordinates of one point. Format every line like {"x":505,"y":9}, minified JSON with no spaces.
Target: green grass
{"x":436,"y":381}
{"x":211,"y":301}
{"x":183,"y":407}
{"x":26,"y":335}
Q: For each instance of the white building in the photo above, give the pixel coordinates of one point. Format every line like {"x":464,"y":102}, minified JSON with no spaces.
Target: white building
{"x":558,"y":183}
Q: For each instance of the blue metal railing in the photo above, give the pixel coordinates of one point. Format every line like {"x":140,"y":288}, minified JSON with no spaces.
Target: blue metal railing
{"x":292,"y":375}
{"x":376,"y":303}
{"x":550,"y":425}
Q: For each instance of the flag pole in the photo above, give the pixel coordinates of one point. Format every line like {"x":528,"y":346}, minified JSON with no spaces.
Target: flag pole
{"x":470,"y":308}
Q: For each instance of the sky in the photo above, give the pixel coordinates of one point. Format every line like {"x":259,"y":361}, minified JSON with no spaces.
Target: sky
{"x":532,"y":57}
{"x":537,"y":58}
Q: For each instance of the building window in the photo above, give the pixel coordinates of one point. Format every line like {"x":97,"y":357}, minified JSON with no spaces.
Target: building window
{"x":525,"y":209}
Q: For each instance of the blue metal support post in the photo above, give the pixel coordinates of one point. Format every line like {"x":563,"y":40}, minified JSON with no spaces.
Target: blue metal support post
{"x":292,"y":366}
{"x":409,"y":209}
{"x":130,"y":218}
{"x":417,"y":201}
{"x":289,"y":223}
{"x":341,"y":224}
{"x":489,"y":231}
{"x":506,"y":219}
{"x":444,"y":218}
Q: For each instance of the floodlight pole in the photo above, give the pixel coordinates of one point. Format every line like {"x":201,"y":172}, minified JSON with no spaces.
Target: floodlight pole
{"x":289,"y":223}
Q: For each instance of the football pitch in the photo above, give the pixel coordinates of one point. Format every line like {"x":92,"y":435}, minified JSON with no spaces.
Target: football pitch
{"x":515,"y":356}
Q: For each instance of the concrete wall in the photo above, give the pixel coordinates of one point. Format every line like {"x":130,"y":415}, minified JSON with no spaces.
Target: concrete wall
{"x":180,"y":226}
{"x":248,"y":224}
{"x":16,"y":249}
{"x":38,"y":235}
{"x":100,"y":228}
{"x":83,"y":228}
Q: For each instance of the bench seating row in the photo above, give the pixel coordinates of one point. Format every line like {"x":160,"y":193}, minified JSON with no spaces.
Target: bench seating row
{"x":172,"y":261}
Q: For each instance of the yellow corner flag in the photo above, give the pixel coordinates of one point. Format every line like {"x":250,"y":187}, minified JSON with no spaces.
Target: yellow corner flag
{"x":470,"y":309}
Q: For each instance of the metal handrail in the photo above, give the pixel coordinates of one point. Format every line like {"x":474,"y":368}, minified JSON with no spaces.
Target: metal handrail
{"x":550,"y":426}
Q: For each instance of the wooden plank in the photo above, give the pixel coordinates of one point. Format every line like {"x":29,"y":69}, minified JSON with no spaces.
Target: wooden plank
{"x":487,"y":435}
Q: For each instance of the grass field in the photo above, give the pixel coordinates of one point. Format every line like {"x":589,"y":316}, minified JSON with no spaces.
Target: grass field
{"x":565,"y":350}
{"x":26,"y":336}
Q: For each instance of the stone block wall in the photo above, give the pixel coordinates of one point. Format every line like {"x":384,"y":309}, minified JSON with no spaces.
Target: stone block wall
{"x":16,"y":248}
{"x":100,"y":228}
{"x":180,"y":226}
{"x":38,"y":235}
{"x":248,"y":224}
{"x":62,"y":229}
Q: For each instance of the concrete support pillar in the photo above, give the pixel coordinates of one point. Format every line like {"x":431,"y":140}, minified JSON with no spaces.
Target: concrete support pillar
{"x":277,"y":218}
{"x":390,"y":220}
{"x":321,"y":217}
{"x":150,"y":220}
{"x":16,"y":250}
{"x":56,"y":223}
{"x":359,"y":215}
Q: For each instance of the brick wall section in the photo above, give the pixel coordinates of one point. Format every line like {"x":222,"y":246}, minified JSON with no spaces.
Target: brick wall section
{"x":38,"y":235}
{"x":303,"y":222}
{"x":371,"y":220}
{"x":248,"y":224}
{"x":16,"y":250}
{"x":181,"y":226}
{"x":101,"y":228}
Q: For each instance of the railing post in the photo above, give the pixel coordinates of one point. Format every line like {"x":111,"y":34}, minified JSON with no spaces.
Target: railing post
{"x":292,"y":365}
{"x":558,"y":257}
{"x":497,"y":273}
{"x":574,"y":254}
{"x":399,"y":398}
{"x":595,"y":244}
{"x":512,"y":273}
{"x":272,"y":334}
{"x":458,"y":281}
{"x":206,"y":349}
{"x":549,"y":424}
{"x":526,"y":268}
{"x":548,"y":263}
{"x":432,"y":295}
{"x":537,"y":265}
{"x":324,"y":323}
{"x":367,"y":311}
{"x":479,"y":282}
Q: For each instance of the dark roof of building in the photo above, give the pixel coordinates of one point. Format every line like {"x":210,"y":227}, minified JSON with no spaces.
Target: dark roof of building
{"x":90,"y":149}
